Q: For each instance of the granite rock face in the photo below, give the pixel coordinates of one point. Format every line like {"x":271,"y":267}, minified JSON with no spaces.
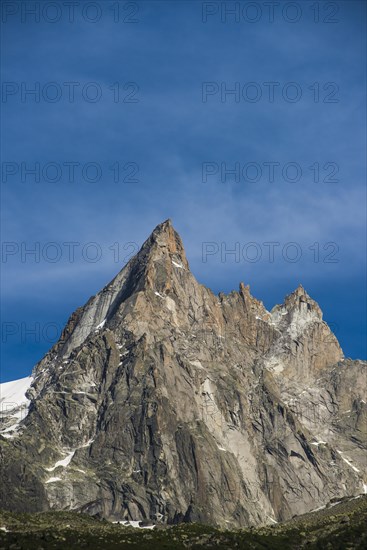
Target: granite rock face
{"x":162,"y":401}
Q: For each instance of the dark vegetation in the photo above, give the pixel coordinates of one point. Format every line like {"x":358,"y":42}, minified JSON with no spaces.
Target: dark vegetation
{"x":340,"y":526}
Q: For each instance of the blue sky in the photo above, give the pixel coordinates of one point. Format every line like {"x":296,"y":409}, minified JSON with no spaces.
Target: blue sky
{"x":160,"y":133}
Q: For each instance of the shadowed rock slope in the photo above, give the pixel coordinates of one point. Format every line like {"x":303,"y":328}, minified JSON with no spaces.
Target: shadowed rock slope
{"x":162,"y":401}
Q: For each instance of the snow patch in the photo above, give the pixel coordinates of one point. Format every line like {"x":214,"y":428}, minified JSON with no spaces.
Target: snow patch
{"x":12,"y":394}
{"x":347,"y":461}
{"x":64,"y":462}
{"x":319,"y":508}
{"x":335,"y":503}
{"x":10,"y":429}
{"x":272,"y":519}
{"x":13,"y":402}
{"x":134,"y":524}
{"x":9,"y":435}
{"x":53,"y":479}
{"x":101,"y":325}
{"x":176,"y":264}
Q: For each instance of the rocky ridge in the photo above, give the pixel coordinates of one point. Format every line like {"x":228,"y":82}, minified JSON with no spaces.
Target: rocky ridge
{"x":164,"y":402}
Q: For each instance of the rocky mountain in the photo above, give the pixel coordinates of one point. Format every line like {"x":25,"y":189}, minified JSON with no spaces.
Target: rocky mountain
{"x":162,"y":401}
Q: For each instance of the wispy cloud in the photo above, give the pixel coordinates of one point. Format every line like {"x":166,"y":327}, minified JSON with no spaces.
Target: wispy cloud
{"x":169,"y":134}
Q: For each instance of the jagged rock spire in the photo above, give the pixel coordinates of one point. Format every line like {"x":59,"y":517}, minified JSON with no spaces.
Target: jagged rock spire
{"x":164,"y":241}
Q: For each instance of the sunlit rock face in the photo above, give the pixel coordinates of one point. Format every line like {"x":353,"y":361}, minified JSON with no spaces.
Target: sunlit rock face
{"x":162,"y":401}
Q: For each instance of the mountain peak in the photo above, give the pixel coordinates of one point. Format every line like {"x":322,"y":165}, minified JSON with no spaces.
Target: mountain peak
{"x":298,"y":297}
{"x":164,"y":241}
{"x":160,"y":402}
{"x":300,"y":291}
{"x":163,"y":227}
